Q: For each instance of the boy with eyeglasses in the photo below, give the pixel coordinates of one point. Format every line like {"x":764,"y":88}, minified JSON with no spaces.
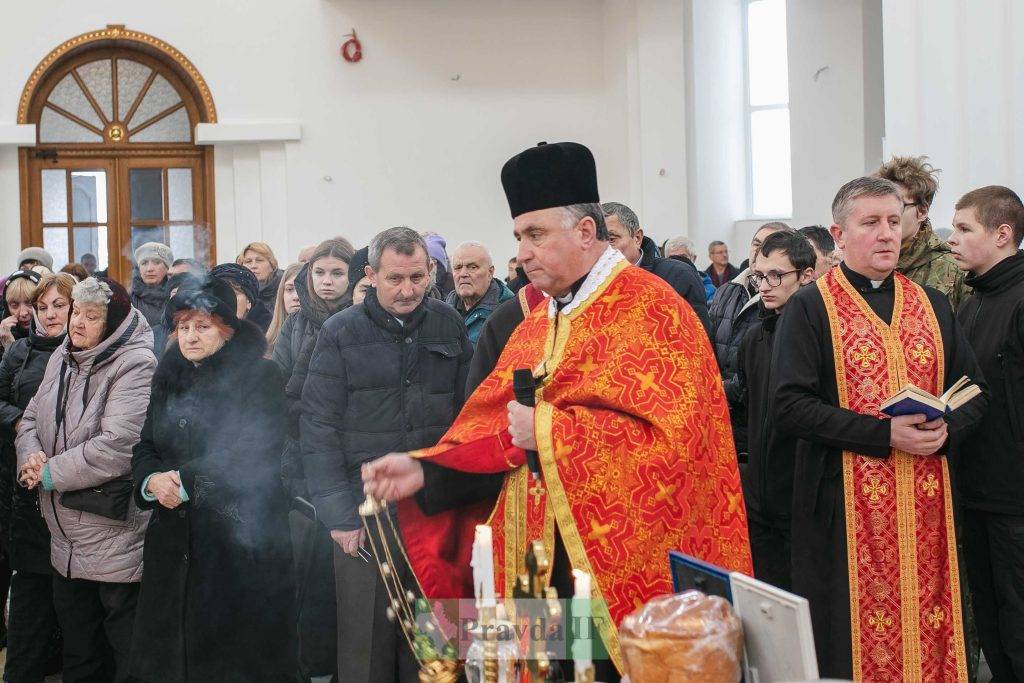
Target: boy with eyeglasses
{"x":783,"y":264}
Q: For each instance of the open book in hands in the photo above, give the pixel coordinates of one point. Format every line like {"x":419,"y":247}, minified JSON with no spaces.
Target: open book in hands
{"x":911,"y":400}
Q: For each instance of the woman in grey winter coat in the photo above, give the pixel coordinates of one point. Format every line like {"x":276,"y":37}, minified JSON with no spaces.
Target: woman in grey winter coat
{"x":75,"y":444}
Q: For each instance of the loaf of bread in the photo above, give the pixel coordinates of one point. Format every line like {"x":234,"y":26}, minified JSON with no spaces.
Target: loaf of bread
{"x":689,"y":637}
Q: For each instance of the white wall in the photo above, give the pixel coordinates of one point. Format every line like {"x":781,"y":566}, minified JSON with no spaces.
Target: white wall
{"x":416,"y":133}
{"x":835,"y":114}
{"x":717,"y":125}
{"x":827,"y":96}
{"x":953,"y":91}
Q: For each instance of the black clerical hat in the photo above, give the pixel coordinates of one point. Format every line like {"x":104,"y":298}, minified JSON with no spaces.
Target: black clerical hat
{"x":546,"y":176}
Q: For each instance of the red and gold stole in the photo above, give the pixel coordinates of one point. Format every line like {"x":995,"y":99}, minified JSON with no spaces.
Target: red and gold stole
{"x":904,"y":585}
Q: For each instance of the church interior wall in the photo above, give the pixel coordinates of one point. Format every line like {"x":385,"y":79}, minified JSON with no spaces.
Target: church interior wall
{"x":417,"y":131}
{"x":954,"y":80}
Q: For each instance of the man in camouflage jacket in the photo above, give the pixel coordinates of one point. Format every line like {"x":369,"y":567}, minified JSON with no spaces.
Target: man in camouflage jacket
{"x":924,"y":258}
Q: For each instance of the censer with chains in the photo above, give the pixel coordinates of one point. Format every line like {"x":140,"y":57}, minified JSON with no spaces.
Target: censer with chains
{"x":411,"y":608}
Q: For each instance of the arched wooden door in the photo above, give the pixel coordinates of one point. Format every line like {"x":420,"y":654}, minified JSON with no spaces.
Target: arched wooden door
{"x":116,"y":163}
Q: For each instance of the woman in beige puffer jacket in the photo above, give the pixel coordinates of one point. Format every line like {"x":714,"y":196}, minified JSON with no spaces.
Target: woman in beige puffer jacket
{"x":76,"y":437}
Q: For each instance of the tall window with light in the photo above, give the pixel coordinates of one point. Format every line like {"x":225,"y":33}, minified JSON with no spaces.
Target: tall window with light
{"x":770,"y":185}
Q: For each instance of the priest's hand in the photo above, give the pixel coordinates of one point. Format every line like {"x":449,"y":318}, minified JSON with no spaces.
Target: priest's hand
{"x":520,"y":426}
{"x":915,"y":435}
{"x":349,"y":541}
{"x":394,"y":477}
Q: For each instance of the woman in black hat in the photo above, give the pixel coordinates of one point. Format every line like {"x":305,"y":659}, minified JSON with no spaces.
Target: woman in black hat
{"x":215,"y":603}
{"x":246,"y":287}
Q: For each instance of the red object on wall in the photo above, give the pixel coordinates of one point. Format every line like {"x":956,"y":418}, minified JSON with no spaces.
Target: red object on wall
{"x":352,"y":49}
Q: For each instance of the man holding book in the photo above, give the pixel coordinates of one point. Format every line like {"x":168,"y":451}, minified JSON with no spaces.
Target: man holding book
{"x":785,"y":262}
{"x":872,"y":529}
{"x":987,"y":229}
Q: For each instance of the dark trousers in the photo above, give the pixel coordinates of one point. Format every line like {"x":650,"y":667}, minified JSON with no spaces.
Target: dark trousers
{"x":994,"y":554}
{"x":771,"y":551}
{"x":371,"y":648}
{"x":315,"y":599}
{"x":33,"y":638}
{"x":96,"y":619}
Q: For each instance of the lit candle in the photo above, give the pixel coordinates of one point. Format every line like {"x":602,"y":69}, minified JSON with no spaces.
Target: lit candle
{"x":483,"y":566}
{"x":581,"y":648}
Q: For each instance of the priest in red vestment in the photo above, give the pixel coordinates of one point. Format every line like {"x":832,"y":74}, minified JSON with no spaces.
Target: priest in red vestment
{"x":874,"y":548}
{"x":635,"y":451}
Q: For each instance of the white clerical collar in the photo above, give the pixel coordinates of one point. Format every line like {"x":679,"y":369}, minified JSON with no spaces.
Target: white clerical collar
{"x":598,"y":274}
{"x":875,"y":284}
{"x":641,"y":258}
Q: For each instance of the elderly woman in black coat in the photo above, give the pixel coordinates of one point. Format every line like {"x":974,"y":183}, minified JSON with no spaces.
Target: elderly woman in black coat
{"x":216,"y":601}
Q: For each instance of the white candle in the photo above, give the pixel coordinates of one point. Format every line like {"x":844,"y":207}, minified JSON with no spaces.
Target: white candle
{"x":483,"y":565}
{"x":581,"y":649}
{"x":581,"y":584}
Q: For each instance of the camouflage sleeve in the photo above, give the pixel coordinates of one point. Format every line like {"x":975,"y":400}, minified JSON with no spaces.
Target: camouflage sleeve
{"x":959,"y":291}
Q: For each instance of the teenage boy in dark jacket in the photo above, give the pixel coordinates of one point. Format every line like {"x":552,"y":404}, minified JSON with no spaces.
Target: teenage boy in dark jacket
{"x":387,"y":375}
{"x":785,"y":262}
{"x":987,"y":229}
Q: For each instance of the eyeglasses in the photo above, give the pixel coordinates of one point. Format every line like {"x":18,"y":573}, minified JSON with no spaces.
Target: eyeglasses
{"x":774,"y":278}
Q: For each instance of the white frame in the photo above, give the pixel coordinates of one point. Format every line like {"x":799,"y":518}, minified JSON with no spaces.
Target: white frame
{"x":743,"y":585}
{"x":748,"y":110}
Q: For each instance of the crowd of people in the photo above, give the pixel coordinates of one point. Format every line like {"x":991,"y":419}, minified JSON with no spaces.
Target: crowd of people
{"x":183,"y":459}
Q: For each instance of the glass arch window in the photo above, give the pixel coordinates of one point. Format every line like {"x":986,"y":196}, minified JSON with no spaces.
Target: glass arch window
{"x":114,"y":100}
{"x":115,"y":162}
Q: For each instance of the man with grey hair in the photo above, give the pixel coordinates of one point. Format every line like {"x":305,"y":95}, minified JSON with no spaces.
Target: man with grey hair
{"x":477,"y":292}
{"x":387,"y":374}
{"x":872,"y":509}
{"x":682,"y":249}
{"x":626,"y":235}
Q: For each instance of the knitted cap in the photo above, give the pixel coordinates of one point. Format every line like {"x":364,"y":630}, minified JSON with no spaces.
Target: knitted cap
{"x":154,"y":251}
{"x":436,"y":249}
{"x":37,"y":254}
{"x":234,"y":274}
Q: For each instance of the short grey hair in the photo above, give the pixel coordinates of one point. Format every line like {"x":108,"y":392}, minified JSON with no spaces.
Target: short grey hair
{"x":680,"y":244}
{"x":625,"y":215}
{"x":401,"y":239}
{"x":865,"y":186}
{"x":574,"y":213}
{"x":474,"y":244}
{"x":92,"y":291}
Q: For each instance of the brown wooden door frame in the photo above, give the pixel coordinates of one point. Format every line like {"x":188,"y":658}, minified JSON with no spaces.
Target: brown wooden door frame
{"x":32,"y":229}
{"x":199,"y":219}
{"x":117,"y":164}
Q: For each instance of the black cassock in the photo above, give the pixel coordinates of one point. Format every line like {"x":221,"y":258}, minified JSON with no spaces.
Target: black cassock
{"x":807,"y":406}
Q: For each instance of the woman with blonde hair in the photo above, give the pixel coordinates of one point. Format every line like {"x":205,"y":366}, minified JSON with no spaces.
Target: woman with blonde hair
{"x":33,"y":643}
{"x":259,"y":258}
{"x":16,"y":302}
{"x":285,"y":303}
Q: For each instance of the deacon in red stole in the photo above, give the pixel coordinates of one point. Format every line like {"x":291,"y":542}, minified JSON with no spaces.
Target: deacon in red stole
{"x":874,"y":547}
{"x":631,"y":424}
